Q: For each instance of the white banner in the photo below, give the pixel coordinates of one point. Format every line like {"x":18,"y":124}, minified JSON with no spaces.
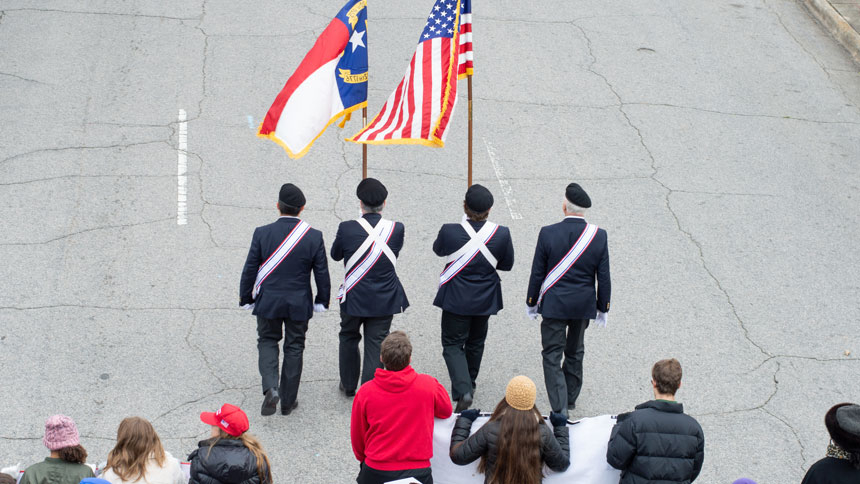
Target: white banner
{"x":588,"y":441}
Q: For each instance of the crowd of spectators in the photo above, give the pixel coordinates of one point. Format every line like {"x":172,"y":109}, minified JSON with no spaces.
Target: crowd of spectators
{"x":392,"y":437}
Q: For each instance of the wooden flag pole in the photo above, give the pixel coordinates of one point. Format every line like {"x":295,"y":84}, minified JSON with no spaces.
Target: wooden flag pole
{"x":364,"y":146}
{"x":470,"y":130}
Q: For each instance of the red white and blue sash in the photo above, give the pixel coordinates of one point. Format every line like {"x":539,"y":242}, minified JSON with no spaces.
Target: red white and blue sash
{"x":477,"y":243}
{"x":281,"y":253}
{"x":371,"y":249}
{"x":568,"y":260}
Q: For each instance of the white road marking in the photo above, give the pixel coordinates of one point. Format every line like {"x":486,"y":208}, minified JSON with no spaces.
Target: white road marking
{"x":181,"y":171}
{"x":507,"y":191}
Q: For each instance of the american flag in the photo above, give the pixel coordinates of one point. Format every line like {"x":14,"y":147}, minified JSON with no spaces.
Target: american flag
{"x":419,"y":110}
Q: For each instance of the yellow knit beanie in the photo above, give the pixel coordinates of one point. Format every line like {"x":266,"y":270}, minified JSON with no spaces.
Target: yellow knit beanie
{"x":521,"y":393}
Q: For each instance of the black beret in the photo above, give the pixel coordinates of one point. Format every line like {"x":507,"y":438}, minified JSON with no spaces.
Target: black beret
{"x":843,"y":424}
{"x":577,"y":196}
{"x":372,"y":192}
{"x":478,"y":198}
{"x":291,"y":195}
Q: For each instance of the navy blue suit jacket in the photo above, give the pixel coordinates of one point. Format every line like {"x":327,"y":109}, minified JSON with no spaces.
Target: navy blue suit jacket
{"x":573,"y":296}
{"x":286,"y":293}
{"x":379,"y":293}
{"x":476,"y":290}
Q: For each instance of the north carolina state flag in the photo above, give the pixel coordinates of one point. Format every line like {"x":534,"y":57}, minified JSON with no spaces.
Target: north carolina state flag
{"x":330,"y":83}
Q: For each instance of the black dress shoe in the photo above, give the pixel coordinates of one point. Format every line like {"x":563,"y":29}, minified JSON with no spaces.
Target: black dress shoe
{"x":270,"y":402}
{"x":287,"y":411}
{"x":349,"y":393}
{"x":463,"y":403}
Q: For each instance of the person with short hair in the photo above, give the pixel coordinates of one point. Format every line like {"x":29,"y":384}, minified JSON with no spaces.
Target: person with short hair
{"x":231,"y":455}
{"x":7,"y":479}
{"x":371,"y":293}
{"x":470,"y":290}
{"x":392,"y":417}
{"x":570,"y":257}
{"x":515,"y":443}
{"x":657,"y":442}
{"x":139,"y":458}
{"x":841,"y":465}
{"x":67,"y":462}
{"x":276,"y":284}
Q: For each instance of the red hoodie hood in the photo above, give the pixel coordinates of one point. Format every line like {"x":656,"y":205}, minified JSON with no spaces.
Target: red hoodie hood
{"x":395,"y":381}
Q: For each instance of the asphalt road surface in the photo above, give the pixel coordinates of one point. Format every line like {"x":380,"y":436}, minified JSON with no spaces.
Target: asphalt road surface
{"x":719,"y":141}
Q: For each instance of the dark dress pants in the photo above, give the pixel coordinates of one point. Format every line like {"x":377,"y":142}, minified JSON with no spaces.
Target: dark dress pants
{"x":563,"y":338}
{"x":463,"y":348}
{"x":369,"y":475}
{"x":269,"y":334}
{"x":375,"y":330}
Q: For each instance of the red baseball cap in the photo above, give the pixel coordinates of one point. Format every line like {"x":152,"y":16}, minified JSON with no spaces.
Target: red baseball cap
{"x":229,"y":418}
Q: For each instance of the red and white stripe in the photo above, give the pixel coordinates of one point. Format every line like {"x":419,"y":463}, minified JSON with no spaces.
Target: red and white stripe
{"x":467,"y":57}
{"x":420,"y":109}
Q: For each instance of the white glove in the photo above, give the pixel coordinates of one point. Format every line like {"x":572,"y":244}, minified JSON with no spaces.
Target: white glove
{"x":601,"y":320}
{"x":248,"y":307}
{"x":319,"y":308}
{"x":531,"y":312}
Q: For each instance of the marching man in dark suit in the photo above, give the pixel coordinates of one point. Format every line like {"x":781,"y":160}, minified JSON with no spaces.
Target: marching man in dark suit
{"x":569,"y":257}
{"x":371,"y":293}
{"x":276,"y":284}
{"x":470,"y":290}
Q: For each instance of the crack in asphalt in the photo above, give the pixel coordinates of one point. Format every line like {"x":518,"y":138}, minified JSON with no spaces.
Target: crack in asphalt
{"x":26,"y":79}
{"x":797,"y":41}
{"x":339,"y":177}
{"x":668,"y":190}
{"x":414,"y":173}
{"x":666,"y":105}
{"x":267,"y":209}
{"x":733,"y":194}
{"x":111,"y":14}
{"x":199,"y":27}
{"x":796,"y":437}
{"x":744,"y":115}
{"x":753,"y":408}
{"x":83,"y":148}
{"x":73,"y":176}
{"x":203,"y":201}
{"x":555,"y":179}
{"x":763,"y":408}
{"x":203,"y":95}
{"x":118,"y":308}
{"x":200,"y":350}
{"x":84,"y":231}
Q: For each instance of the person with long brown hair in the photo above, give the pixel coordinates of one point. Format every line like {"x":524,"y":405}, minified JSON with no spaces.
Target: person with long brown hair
{"x":516,"y":442}
{"x":67,"y":462}
{"x":231,"y":455}
{"x":139,"y":457}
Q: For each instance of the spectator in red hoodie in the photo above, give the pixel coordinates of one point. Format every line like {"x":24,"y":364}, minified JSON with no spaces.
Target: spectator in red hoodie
{"x":392,"y":418}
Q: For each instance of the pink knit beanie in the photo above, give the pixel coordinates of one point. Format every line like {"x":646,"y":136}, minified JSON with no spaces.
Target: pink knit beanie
{"x":61,"y":432}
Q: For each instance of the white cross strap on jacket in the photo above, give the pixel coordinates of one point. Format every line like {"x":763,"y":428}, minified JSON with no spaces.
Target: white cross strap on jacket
{"x":568,"y":260}
{"x":281,"y":253}
{"x":477,"y":243}
{"x":377,"y":243}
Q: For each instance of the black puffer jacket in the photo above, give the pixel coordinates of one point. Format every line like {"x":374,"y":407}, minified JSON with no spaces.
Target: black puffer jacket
{"x":229,"y":462}
{"x":555,"y":445}
{"x":657,"y":443}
